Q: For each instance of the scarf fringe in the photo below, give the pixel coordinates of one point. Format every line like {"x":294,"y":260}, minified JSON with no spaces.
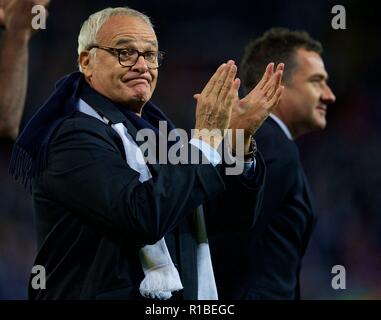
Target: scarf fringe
{"x":158,"y":283}
{"x":29,"y":154}
{"x":25,"y":166}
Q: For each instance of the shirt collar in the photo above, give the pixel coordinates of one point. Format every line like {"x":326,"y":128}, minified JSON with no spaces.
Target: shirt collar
{"x":101,"y":104}
{"x":282,"y":125}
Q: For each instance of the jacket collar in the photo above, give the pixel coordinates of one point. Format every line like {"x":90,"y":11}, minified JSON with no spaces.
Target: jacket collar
{"x":281,"y":125}
{"x":102,"y":104}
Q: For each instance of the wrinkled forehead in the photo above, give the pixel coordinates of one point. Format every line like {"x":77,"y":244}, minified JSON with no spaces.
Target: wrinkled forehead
{"x":121,"y":30}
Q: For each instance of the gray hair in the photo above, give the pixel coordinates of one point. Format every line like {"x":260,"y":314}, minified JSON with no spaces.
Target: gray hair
{"x":90,"y":28}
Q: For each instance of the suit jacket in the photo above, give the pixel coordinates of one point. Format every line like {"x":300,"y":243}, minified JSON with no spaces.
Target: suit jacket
{"x":93,"y":215}
{"x":269,"y":256}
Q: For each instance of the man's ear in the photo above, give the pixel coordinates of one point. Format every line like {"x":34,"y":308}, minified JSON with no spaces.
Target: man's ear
{"x":85,"y":61}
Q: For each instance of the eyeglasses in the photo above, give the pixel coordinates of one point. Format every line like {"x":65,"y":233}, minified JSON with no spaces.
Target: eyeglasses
{"x":128,"y":57}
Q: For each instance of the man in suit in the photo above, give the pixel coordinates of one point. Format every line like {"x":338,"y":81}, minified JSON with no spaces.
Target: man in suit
{"x":110,"y":225}
{"x":270,"y":254}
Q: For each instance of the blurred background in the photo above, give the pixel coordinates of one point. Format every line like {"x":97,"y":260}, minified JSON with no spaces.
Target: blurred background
{"x":341,"y":162}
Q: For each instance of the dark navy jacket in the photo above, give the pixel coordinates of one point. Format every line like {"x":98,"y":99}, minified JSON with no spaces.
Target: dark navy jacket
{"x":92,"y":214}
{"x":265,"y":262}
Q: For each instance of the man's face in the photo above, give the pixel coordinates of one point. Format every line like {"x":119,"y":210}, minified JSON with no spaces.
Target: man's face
{"x":303,"y":106}
{"x":130,"y":86}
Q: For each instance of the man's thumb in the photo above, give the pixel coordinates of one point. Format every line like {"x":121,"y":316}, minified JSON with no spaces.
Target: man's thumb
{"x":196,"y":96}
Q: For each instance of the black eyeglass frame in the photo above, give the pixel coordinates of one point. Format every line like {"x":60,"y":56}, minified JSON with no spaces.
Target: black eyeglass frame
{"x":117,"y":51}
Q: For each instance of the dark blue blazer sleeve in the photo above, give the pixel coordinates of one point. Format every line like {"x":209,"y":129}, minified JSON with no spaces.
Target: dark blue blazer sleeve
{"x":238,"y":207}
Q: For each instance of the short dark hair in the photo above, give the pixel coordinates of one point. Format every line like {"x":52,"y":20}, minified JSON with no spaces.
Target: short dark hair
{"x":276,"y":45}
